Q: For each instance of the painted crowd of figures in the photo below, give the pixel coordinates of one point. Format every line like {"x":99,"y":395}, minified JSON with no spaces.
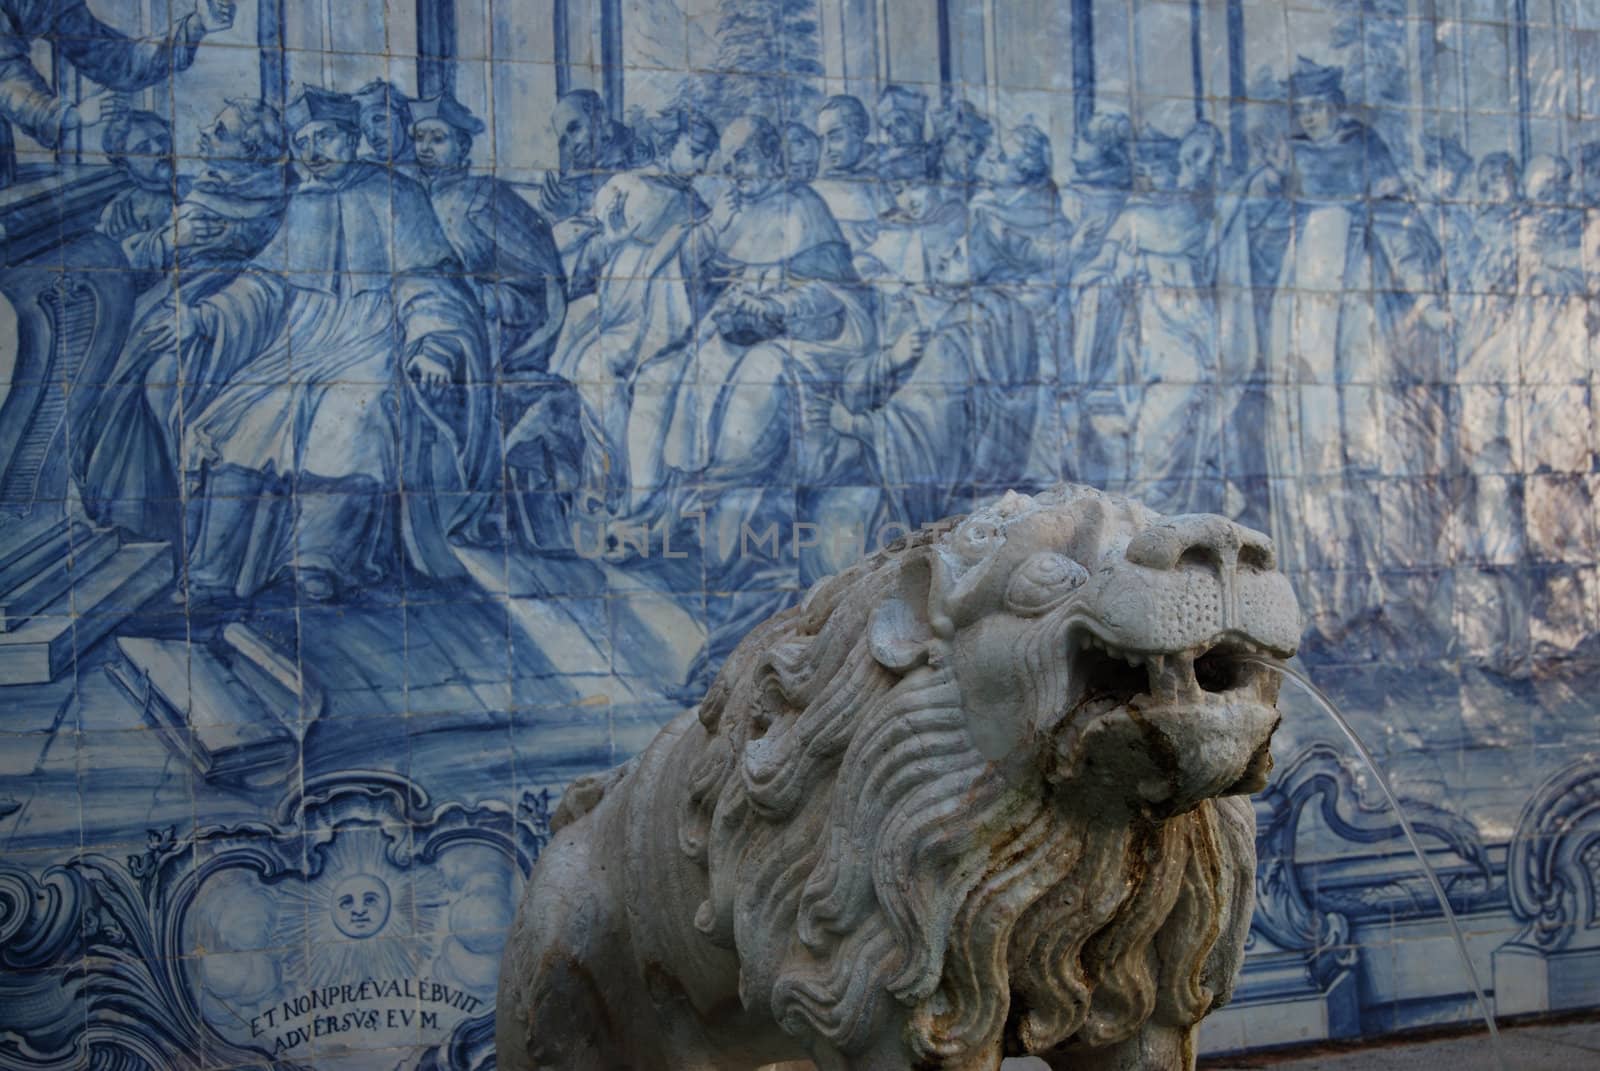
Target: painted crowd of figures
{"x":355,"y":348}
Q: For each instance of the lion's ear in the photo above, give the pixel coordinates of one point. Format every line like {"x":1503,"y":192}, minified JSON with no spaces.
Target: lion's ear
{"x":899,"y":631}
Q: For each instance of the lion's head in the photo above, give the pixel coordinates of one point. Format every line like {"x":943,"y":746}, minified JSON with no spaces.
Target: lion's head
{"x":968,"y":779}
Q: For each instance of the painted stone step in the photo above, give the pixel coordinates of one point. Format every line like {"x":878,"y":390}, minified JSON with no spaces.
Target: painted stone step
{"x":38,"y":579}
{"x":44,"y":647}
{"x":30,"y":543}
{"x":203,"y":710}
{"x":23,"y":537}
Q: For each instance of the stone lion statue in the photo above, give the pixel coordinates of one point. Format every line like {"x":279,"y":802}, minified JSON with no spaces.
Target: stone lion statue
{"x":981,"y":794}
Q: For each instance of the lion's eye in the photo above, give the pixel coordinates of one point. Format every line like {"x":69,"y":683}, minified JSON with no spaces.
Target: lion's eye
{"x":977,"y":538}
{"x":1044,"y":580}
{"x":1053,"y":570}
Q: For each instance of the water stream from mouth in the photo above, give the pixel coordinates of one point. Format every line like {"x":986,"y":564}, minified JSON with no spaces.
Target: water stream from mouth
{"x":1321,"y":699}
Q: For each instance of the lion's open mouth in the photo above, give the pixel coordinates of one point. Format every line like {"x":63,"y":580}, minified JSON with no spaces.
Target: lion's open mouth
{"x":1101,"y":671}
{"x":1216,"y":696}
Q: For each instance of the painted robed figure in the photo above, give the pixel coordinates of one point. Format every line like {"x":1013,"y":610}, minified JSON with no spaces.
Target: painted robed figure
{"x":628,"y":344}
{"x":509,"y":255}
{"x":790,"y":320}
{"x":351,"y":416}
{"x":125,"y":460}
{"x":1357,"y":335}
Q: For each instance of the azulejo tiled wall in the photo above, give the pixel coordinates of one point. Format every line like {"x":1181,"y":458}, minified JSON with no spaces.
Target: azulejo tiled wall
{"x":404,"y":407}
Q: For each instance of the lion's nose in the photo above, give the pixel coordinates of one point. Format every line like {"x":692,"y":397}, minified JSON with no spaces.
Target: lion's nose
{"x":1202,"y":539}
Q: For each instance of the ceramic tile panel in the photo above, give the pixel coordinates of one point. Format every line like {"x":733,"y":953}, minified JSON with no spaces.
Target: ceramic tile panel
{"x":405,"y":408}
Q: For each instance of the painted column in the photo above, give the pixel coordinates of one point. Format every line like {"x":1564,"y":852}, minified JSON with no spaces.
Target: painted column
{"x":1524,"y":95}
{"x":1238,"y":91}
{"x":274,"y":61}
{"x":991,"y":59}
{"x":1416,"y":87}
{"x":611,"y":54}
{"x":1197,"y":73}
{"x":436,"y":47}
{"x":885,"y":44}
{"x":563,"y":47}
{"x":946,"y":50}
{"x":1083,"y":61}
{"x":965,"y":32}
{"x":1428,"y":55}
{"x":858,"y":34}
{"x":1568,"y":92}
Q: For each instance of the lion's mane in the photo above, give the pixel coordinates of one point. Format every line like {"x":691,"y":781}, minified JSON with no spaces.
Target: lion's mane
{"x":860,"y":850}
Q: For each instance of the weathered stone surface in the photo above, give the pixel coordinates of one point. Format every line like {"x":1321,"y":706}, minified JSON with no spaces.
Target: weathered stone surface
{"x":980,"y":795}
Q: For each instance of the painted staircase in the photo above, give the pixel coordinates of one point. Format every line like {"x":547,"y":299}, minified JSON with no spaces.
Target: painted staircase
{"x":64,"y":585}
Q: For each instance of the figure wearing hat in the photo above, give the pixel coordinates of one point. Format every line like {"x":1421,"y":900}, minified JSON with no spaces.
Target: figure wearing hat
{"x":502,"y":241}
{"x":960,"y":138}
{"x":1343,"y":411}
{"x":386,"y":119}
{"x":902,"y":120}
{"x":341,"y":365}
{"x":511,"y":261}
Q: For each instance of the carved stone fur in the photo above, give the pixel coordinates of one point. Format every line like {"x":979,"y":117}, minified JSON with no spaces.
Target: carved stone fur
{"x":979,"y":795}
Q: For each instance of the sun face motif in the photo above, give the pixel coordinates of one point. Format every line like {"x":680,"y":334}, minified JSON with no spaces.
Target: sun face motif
{"x":360,"y":906}
{"x":362,"y":916}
